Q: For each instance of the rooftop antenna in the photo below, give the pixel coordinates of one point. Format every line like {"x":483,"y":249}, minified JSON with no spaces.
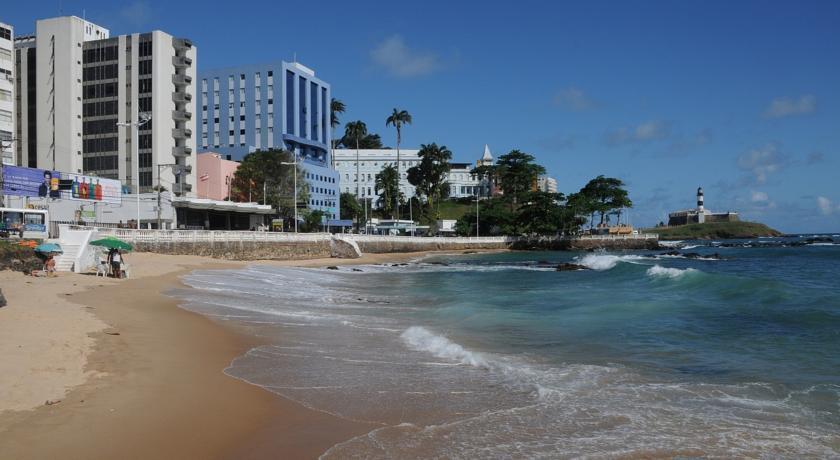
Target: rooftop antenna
{"x":294,"y":57}
{"x":60,"y":9}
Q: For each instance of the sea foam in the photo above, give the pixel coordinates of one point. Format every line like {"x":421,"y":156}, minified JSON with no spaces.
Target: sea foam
{"x":606,"y":261}
{"x":420,"y":339}
{"x":658,"y":271}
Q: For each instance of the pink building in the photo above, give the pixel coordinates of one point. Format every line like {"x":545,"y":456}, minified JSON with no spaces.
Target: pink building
{"x":214,"y":175}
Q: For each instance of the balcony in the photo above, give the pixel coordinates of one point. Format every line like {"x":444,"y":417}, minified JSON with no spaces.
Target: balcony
{"x":185,"y":133}
{"x":181,"y":80}
{"x":181,"y":98}
{"x":181,"y":43}
{"x":181,"y":151}
{"x":181,"y":61}
{"x":181,"y":115}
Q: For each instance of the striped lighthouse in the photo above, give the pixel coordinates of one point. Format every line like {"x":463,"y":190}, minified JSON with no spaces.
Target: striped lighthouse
{"x":699,"y":199}
{"x":701,"y":213}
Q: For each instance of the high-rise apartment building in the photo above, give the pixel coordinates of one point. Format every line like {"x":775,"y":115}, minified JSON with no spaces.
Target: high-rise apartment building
{"x":76,"y":82}
{"x":7,"y":94}
{"x":278,"y":105}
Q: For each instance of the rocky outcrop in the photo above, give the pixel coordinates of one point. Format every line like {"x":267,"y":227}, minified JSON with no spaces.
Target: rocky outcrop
{"x":342,"y":248}
{"x":569,"y":267}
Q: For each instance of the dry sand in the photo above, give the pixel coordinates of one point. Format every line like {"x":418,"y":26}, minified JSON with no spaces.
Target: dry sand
{"x":130,"y":375}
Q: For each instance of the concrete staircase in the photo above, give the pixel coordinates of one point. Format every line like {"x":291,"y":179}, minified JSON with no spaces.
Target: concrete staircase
{"x":65,"y":262}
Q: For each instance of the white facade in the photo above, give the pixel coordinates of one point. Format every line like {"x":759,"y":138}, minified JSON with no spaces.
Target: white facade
{"x":462,"y":183}
{"x":85,"y":82}
{"x":7,"y":94}
{"x":547,"y":184}
{"x":371,"y":162}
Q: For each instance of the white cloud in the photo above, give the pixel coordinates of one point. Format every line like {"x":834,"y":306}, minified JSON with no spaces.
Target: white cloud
{"x":574,"y":99}
{"x":786,"y":106}
{"x":758,"y":197}
{"x":761,"y":162}
{"x":138,"y":13}
{"x":645,"y":132}
{"x":398,"y":60}
{"x":825,"y":205}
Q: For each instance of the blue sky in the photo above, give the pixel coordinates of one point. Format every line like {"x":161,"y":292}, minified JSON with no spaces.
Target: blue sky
{"x":742,"y":97}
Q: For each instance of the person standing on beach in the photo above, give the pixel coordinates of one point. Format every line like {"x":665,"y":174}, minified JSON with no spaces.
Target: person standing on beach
{"x":116,"y":262}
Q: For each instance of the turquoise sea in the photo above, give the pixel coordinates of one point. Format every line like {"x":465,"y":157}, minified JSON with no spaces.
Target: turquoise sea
{"x":726,"y":349}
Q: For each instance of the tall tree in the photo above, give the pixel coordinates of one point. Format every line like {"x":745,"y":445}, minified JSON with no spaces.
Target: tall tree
{"x":429,"y":177}
{"x":264,"y":170}
{"x":336,"y":107}
{"x":541,"y":213}
{"x":397,"y":119}
{"x":351,"y":208}
{"x":369,"y":141}
{"x":388,"y":189}
{"x":356,"y":130}
{"x":605,"y":194}
{"x":517,"y":175}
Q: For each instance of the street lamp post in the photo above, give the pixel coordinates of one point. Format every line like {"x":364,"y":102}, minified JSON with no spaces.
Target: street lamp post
{"x":294,"y":175}
{"x":135,"y":140}
{"x":476,"y":215}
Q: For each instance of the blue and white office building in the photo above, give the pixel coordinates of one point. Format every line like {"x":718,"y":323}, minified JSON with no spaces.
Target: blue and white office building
{"x":268,"y":106}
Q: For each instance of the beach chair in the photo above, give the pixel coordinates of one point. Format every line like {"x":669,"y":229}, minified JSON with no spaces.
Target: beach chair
{"x":126,"y":270}
{"x":102,"y":269}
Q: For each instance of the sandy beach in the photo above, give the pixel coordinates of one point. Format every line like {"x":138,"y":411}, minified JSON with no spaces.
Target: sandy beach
{"x":101,"y":368}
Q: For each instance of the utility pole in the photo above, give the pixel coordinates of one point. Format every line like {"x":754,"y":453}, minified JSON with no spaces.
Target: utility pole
{"x":135,"y":142}
{"x":158,"y":190}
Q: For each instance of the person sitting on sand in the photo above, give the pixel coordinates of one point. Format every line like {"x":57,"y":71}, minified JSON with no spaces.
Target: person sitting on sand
{"x":49,"y":266}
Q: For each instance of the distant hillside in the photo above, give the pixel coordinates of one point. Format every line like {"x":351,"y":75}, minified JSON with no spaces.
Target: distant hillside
{"x":717,"y":230}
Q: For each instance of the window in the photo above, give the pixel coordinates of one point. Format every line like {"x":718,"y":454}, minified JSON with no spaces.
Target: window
{"x":5,"y":116}
{"x":270,"y":73}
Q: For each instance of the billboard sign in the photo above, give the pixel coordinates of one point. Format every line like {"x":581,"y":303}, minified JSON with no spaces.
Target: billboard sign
{"x":35,"y":183}
{"x":90,"y":188}
{"x":31,"y":182}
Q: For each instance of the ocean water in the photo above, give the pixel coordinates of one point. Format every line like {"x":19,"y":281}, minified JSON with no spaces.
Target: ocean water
{"x":735,"y":353}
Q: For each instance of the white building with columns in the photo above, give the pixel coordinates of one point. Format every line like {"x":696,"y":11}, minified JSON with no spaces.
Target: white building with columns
{"x":462,"y":183}
{"x":76,"y":82}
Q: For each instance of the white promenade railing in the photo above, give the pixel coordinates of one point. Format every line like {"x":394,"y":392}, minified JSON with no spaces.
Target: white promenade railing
{"x":211,"y":236}
{"x":226,"y":236}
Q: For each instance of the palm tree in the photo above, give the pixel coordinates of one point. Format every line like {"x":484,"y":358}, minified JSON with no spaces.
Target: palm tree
{"x":356,"y":130}
{"x":387,"y":186}
{"x":336,"y":107}
{"x":397,"y":119}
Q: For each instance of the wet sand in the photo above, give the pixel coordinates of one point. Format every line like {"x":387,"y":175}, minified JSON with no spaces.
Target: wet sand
{"x":142,"y":378}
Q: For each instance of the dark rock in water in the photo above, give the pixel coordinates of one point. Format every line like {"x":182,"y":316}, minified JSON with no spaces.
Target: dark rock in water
{"x":671,"y":253}
{"x":438,"y":263}
{"x":568,"y":267}
{"x":819,"y":239}
{"x":357,"y":269}
{"x":332,"y":267}
{"x":2,"y":299}
{"x":692,"y":255}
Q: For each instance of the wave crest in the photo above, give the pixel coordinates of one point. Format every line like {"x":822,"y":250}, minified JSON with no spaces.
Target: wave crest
{"x":421,"y":339}
{"x":606,"y":261}
{"x":658,"y":271}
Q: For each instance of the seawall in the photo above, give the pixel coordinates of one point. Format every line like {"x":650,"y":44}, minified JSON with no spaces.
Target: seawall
{"x":287,"y":246}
